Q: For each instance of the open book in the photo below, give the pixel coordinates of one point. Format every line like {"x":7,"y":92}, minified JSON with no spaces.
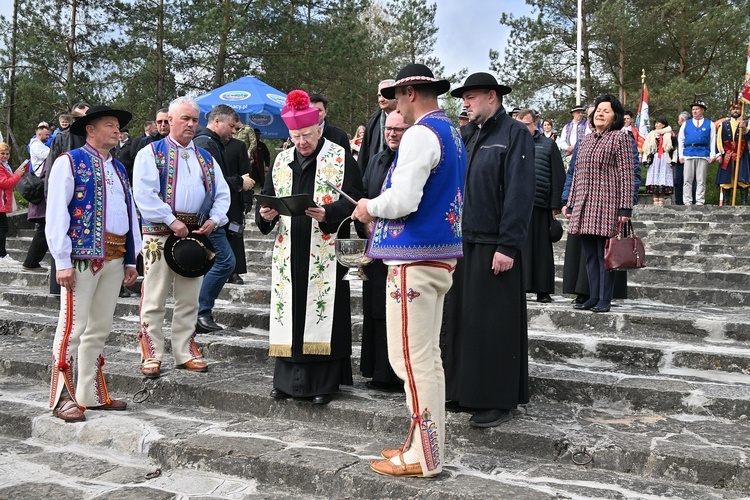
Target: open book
{"x":295,"y":204}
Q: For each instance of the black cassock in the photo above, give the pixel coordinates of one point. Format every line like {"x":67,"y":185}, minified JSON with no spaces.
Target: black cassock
{"x":374,"y":360}
{"x":306,"y":375}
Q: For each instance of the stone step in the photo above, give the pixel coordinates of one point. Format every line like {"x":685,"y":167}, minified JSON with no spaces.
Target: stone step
{"x":210,"y":451}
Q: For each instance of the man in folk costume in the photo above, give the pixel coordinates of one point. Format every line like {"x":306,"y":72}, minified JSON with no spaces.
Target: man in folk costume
{"x":572,"y":132}
{"x":310,"y":333}
{"x":176,"y":184}
{"x":697,"y":148}
{"x":731,"y":131}
{"x":418,"y":235}
{"x":94,"y":236}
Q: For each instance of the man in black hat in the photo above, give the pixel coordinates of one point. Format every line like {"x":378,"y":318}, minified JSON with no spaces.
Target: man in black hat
{"x":574,"y":130}
{"x":417,"y":233}
{"x":486,"y":357}
{"x":697,"y":146}
{"x":177,"y":186}
{"x":94,"y":237}
{"x":463,"y":121}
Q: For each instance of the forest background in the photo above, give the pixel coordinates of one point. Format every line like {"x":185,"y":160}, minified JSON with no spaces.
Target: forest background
{"x":140,"y":54}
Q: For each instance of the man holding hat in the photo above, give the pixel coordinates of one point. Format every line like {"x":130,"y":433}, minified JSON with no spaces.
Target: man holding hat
{"x":94,"y":237}
{"x":573,"y":131}
{"x":697,"y":147}
{"x":183,"y":198}
{"x":488,"y":354}
{"x":417,"y":234}
{"x":310,"y":332}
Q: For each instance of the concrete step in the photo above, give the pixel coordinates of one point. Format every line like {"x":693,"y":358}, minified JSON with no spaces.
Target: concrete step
{"x":208,"y":450}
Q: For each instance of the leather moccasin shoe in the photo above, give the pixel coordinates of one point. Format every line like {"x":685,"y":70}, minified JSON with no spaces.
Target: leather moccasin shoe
{"x":151,"y":368}
{"x":277,"y":394}
{"x":113,"y":405}
{"x":194,"y":365}
{"x":387,"y":468}
{"x":389,"y":453}
{"x":490,"y":418}
{"x":321,"y":399}
{"x":68,"y":411}
{"x":206,"y":324}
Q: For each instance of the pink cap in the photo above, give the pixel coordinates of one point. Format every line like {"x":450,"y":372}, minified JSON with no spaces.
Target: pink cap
{"x":297,"y":114}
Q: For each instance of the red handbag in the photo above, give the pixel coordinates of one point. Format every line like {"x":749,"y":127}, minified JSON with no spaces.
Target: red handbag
{"x":624,"y":251}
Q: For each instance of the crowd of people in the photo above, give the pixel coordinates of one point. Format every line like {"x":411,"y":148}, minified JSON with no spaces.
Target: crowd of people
{"x":460,"y":220}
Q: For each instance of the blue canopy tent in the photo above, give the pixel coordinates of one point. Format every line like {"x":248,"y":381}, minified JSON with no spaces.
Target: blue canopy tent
{"x":258,"y":104}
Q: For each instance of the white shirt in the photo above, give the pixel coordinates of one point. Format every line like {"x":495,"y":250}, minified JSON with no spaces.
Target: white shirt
{"x":698,"y":124}
{"x":39,"y":153}
{"x":418,"y":153}
{"x":58,"y":217}
{"x":190,"y":190}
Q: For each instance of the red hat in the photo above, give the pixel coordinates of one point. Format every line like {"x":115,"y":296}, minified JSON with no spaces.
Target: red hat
{"x":297,"y":114}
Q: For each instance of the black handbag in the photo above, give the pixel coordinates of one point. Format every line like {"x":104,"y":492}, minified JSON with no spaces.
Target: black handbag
{"x":31,"y":188}
{"x":624,"y":251}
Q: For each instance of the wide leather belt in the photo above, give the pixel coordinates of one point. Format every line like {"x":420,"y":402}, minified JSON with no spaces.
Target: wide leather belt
{"x":114,"y":246}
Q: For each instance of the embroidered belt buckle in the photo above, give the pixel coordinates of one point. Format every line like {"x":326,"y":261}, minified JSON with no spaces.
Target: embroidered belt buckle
{"x":190,"y":220}
{"x":114,"y":246}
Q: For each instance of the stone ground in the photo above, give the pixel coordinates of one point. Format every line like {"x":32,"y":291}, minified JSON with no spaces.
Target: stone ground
{"x":649,"y":401}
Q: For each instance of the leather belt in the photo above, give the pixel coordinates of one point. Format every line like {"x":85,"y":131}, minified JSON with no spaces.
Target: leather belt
{"x":114,"y":246}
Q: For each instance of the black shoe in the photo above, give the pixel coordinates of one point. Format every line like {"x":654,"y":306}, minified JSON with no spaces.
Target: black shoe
{"x":586,"y":305}
{"x":580,"y":299}
{"x":490,"y":418}
{"x":34,"y":269}
{"x":385,"y":386}
{"x":454,"y":406}
{"x":236,"y":279}
{"x":277,"y":394}
{"x":321,"y":399}
{"x":602,"y":307}
{"x":206,"y":324}
{"x":124,"y":292}
{"x":544,"y":298}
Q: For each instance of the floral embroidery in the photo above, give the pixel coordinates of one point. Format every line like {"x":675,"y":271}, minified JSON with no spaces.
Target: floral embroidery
{"x":453,"y":215}
{"x":430,"y":442}
{"x":327,"y":199}
{"x":159,"y":159}
{"x":81,"y":265}
{"x":396,"y":294}
{"x":411,"y":294}
{"x":77,"y":212}
{"x":153,"y":250}
{"x":148,"y":351}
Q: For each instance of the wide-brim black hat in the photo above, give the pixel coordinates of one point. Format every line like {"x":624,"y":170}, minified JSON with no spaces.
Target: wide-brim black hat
{"x":191,"y":256}
{"x":478,"y":81}
{"x":415,"y":75}
{"x":79,"y":126}
{"x":555,"y":231}
{"x":699,"y":103}
{"x":577,"y":108}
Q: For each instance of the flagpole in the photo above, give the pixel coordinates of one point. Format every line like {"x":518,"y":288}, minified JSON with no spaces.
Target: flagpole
{"x":737,"y":155}
{"x":579,"y":43}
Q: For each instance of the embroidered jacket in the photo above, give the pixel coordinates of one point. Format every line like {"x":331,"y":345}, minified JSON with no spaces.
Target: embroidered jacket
{"x":165,"y":153}
{"x":87,"y":207}
{"x":433,"y":231}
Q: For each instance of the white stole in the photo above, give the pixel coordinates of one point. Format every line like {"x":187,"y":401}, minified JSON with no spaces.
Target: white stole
{"x":321,"y":287}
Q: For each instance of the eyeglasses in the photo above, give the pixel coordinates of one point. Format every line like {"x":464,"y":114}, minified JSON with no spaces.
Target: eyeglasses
{"x":395,"y":129}
{"x":161,"y":122}
{"x":306,"y":137}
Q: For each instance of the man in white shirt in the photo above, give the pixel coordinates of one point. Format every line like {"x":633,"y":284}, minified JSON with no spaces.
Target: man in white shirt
{"x":570,"y":134}
{"x":38,"y":149}
{"x":173,"y":180}
{"x":91,"y":193}
{"x":697,"y":147}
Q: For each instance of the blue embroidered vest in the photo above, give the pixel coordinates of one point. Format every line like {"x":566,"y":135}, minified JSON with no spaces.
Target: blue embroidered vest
{"x":697,"y":140}
{"x":433,"y":231}
{"x":165,"y":153}
{"x":87,"y":224}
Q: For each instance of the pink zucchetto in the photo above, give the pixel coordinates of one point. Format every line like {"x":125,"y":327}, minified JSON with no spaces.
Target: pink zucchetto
{"x":298,"y":114}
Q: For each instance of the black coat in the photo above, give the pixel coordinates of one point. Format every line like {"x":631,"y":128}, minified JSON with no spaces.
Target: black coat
{"x":337,"y":136}
{"x":303,"y":181}
{"x":371,"y":144}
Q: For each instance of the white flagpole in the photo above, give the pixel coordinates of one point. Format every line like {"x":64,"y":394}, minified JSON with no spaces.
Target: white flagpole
{"x":578,"y":52}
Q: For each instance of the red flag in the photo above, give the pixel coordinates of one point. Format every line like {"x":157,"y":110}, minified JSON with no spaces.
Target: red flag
{"x":642,"y":121}
{"x":746,"y":84}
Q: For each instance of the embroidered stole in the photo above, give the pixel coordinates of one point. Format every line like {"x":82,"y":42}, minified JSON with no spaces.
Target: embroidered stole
{"x":321,"y":279}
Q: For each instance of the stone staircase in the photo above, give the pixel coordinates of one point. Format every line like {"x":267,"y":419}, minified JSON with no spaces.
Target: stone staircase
{"x":649,"y":401}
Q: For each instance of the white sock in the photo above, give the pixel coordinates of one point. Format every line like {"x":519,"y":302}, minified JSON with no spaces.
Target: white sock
{"x":411,"y":456}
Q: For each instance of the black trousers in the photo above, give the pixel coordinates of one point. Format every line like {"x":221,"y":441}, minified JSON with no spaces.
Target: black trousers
{"x":601,"y":281}
{"x":38,"y":247}
{"x":3,"y":233}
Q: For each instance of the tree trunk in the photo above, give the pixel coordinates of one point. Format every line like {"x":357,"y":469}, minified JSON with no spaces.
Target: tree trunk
{"x":586,"y":57}
{"x":71,"y":52}
{"x":12,"y":79}
{"x":223,"y":36}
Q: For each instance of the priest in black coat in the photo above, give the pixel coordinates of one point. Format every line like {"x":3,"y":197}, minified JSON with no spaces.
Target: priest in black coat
{"x":310,"y":331}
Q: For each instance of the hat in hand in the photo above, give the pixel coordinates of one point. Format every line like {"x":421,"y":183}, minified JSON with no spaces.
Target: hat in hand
{"x":555,"y":231}
{"x":191,"y":256}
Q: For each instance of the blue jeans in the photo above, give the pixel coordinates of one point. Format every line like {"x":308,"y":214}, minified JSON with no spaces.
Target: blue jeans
{"x":222,"y":269}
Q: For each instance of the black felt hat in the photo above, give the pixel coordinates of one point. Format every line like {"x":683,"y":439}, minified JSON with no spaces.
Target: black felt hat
{"x":577,"y":107}
{"x":699,"y":103}
{"x":79,"y":126}
{"x":415,"y":75}
{"x":477,"y":81}
{"x":191,"y":256}
{"x":555,"y":231}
